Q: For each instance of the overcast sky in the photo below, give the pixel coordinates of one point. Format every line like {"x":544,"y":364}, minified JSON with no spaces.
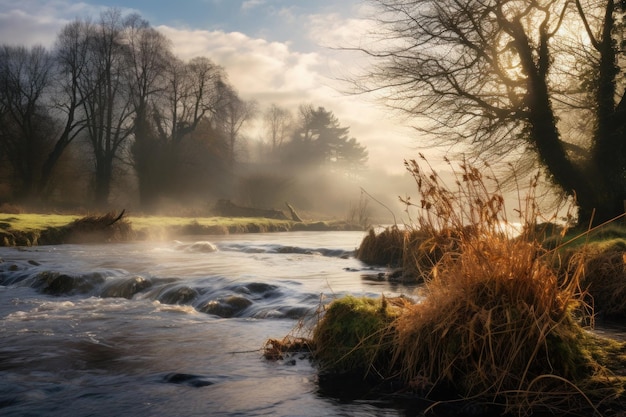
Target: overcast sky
{"x":274,"y":51}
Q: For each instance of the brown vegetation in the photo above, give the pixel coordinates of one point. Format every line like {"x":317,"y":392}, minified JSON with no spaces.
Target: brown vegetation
{"x":499,"y":324}
{"x":110,"y":227}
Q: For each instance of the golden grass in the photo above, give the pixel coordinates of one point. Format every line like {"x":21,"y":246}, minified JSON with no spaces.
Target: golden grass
{"x":494,"y":319}
{"x":498,"y":324}
{"x":497,"y":321}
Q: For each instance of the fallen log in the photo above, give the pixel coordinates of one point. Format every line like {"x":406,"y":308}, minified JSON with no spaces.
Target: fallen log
{"x":294,"y":215}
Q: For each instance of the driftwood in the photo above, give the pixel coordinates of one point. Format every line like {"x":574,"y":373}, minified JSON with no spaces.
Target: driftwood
{"x":294,"y":215}
{"x":227,"y":208}
{"x":118,"y":218}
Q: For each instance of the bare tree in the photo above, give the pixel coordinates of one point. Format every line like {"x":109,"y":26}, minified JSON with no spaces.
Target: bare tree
{"x":189,"y":97}
{"x":107,"y":98}
{"x":193,"y":95}
{"x":147,"y":60}
{"x":278,"y":123}
{"x":25,"y":126}
{"x":70,"y":55}
{"x":232,"y":114}
{"x":506,"y":76}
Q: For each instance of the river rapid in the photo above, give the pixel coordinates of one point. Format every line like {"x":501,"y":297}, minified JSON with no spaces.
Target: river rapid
{"x":175,"y":328}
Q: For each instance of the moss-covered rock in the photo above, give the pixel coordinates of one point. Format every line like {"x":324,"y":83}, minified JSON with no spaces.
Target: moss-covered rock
{"x":354,"y":335}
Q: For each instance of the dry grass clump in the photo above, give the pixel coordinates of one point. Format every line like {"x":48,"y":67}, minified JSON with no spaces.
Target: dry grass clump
{"x":385,"y":248}
{"x":497,"y":320}
{"x":110,"y":227}
{"x":498,"y":323}
{"x":602,"y":253}
{"x":415,"y":250}
{"x":605,"y":280}
{"x":276,"y":349}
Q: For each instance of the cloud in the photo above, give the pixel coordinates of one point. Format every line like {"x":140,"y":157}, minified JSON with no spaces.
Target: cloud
{"x":36,"y":22}
{"x":265,"y":71}
{"x":254,"y":66}
{"x":251,"y":4}
{"x":271,"y":72}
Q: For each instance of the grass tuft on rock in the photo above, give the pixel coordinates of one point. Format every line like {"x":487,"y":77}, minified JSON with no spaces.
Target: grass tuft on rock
{"x":354,"y":335}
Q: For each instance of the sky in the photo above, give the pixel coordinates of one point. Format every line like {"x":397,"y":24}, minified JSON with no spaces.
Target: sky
{"x":283,"y":52}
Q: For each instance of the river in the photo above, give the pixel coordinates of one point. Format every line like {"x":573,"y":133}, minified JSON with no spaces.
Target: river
{"x":175,"y":328}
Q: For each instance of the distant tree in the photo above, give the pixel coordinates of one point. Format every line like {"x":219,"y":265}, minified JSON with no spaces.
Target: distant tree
{"x":542,"y":78}
{"x":107,"y":98}
{"x":193,"y":92}
{"x":148,"y":55}
{"x":319,"y":140}
{"x":71,"y":59}
{"x":201,"y":171}
{"x":231,"y":116}
{"x":278,"y":122}
{"x":191,"y":95}
{"x":26,"y":127}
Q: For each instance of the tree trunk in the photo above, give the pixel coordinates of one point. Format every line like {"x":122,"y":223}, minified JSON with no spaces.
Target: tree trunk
{"x":103,"y":182}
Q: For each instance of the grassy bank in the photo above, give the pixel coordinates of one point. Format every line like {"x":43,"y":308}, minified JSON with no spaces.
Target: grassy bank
{"x":28,"y":229}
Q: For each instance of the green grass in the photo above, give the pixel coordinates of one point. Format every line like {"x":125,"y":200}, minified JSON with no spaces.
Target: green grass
{"x":29,"y":222}
{"x":153,"y":222}
{"x":27,"y":228}
{"x":602,"y":238}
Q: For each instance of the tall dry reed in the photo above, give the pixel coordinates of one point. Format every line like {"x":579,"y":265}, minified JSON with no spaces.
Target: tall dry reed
{"x":497,"y":321}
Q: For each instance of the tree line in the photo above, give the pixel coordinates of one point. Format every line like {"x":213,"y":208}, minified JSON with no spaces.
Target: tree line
{"x":111,"y":101}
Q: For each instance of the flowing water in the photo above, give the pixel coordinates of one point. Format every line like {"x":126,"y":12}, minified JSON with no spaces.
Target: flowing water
{"x":174,"y":328}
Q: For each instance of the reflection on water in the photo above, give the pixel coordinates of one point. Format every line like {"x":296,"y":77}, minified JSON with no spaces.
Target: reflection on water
{"x":172,"y":328}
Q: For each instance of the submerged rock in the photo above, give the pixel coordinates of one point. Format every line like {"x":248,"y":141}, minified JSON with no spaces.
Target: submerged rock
{"x":196,"y":381}
{"x":203,"y":246}
{"x":226,"y":307}
{"x":125,"y":287}
{"x":257,"y":290}
{"x":55,"y":283}
{"x":177,"y":295}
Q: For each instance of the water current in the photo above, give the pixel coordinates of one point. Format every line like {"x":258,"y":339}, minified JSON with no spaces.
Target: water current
{"x":175,"y":328}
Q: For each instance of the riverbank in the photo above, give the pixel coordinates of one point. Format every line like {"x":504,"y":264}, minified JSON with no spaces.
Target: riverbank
{"x":32,"y":229}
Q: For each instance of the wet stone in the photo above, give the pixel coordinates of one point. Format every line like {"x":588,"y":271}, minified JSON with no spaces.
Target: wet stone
{"x":196,"y":381}
{"x":177,"y":295}
{"x":54,"y":283}
{"x":226,"y":307}
{"x":126,"y":288}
